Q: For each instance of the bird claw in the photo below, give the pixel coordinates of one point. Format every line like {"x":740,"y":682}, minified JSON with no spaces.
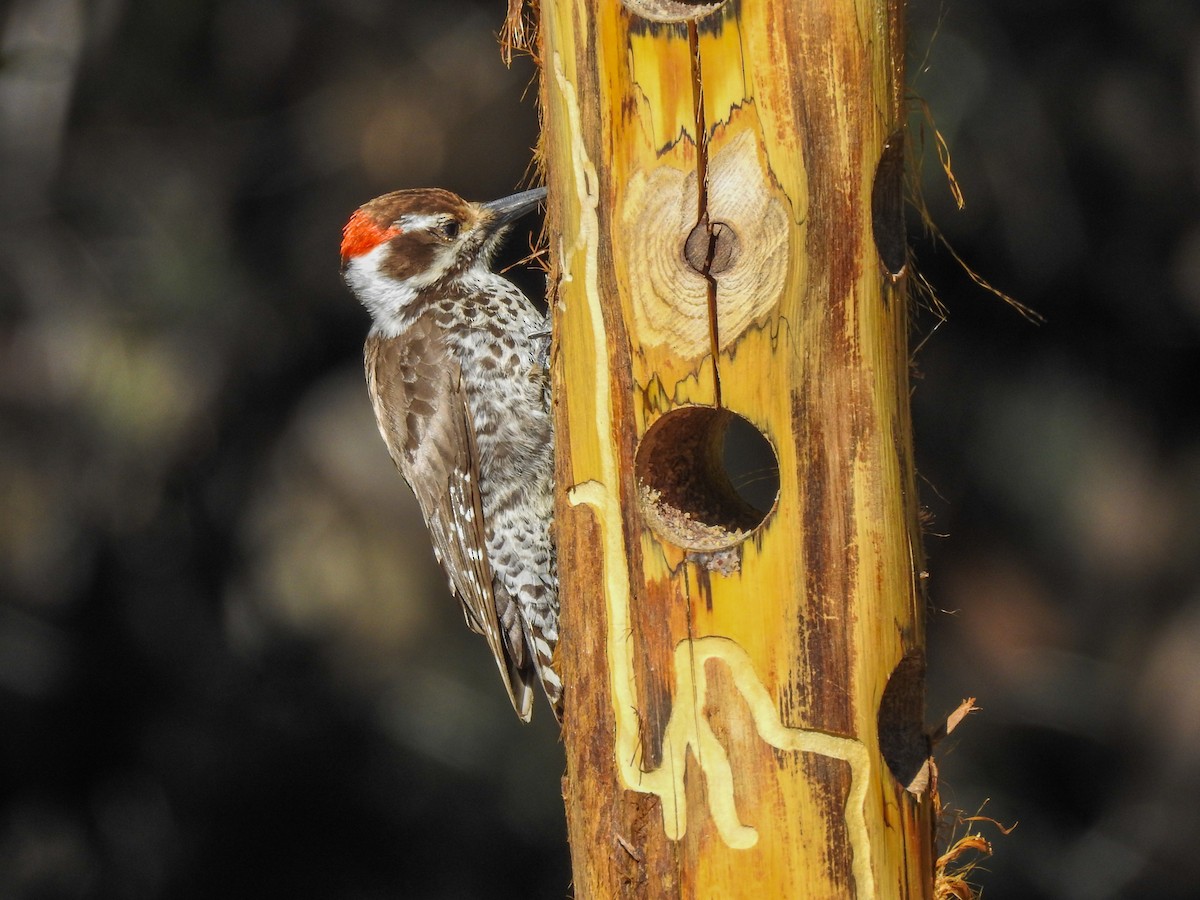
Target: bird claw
{"x":540,"y":371}
{"x":541,"y":367}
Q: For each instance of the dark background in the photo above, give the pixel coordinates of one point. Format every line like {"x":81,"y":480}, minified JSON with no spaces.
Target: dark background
{"x":228,"y":666}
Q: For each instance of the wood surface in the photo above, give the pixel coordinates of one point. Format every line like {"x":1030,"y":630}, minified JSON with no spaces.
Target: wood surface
{"x":744,"y":698}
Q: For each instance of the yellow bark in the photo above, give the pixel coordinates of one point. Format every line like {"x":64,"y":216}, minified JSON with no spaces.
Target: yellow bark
{"x":726,"y":239}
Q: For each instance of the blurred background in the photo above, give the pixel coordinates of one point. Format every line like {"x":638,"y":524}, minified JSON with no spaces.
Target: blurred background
{"x":228,"y":664}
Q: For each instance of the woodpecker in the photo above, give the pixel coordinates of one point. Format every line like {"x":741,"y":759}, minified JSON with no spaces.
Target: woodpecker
{"x":455,"y":362}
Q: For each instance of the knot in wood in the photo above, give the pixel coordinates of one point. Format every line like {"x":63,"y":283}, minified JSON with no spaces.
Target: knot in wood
{"x":660,"y":240}
{"x":711,"y":248}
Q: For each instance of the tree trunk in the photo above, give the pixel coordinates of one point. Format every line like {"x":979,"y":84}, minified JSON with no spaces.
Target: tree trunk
{"x":744,"y":687}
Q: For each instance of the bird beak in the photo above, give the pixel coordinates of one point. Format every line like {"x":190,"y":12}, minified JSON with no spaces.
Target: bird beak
{"x":508,"y":209}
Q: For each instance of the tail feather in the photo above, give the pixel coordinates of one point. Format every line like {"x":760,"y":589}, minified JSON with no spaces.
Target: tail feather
{"x":530,"y":654}
{"x":543,"y":660}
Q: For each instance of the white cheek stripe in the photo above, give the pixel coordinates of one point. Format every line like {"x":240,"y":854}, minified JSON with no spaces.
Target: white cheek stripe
{"x":386,"y":299}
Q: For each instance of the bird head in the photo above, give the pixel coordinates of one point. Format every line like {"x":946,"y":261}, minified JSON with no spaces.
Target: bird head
{"x":403,"y":243}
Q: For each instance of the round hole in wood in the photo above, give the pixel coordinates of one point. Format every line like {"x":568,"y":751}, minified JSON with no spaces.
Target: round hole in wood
{"x":672,"y":10}
{"x":902,"y":738}
{"x":706,"y":478}
{"x":887,"y":207}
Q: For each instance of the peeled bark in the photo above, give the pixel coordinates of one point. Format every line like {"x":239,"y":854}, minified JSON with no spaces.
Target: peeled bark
{"x":744,"y":689}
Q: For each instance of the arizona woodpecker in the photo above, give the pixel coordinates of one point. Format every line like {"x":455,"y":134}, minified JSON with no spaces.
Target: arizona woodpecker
{"x":455,"y":369}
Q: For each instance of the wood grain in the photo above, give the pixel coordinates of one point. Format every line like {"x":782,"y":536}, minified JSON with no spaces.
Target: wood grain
{"x":723,"y":702}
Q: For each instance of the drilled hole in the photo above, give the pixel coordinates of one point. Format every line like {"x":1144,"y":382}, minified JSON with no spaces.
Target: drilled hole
{"x":706,"y":478}
{"x":902,"y":738}
{"x":673,"y":10}
{"x":887,"y":206}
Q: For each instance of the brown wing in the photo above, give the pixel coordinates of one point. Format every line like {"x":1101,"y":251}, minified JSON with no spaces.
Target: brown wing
{"x":415,"y":387}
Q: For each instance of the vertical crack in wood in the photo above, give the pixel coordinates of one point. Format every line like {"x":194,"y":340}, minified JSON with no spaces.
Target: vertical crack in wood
{"x":702,"y":218}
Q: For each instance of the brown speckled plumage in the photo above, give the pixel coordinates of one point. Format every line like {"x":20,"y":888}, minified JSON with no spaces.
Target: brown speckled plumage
{"x":454,"y":370}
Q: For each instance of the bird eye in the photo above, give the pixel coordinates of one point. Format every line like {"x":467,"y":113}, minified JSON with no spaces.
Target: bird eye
{"x":449,"y":228}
